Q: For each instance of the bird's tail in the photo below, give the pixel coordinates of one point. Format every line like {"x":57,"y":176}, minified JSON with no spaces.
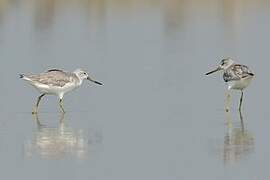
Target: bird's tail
{"x":21,"y":75}
{"x":25,"y":77}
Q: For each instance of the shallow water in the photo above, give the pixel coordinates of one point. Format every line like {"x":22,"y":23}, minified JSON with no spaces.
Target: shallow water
{"x":157,"y":116}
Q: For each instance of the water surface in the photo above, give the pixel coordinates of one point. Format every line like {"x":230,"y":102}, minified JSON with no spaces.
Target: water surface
{"x":157,"y":116}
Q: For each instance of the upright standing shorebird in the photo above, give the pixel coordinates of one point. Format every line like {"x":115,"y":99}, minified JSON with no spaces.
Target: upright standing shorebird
{"x":56,"y":82}
{"x":237,"y":76}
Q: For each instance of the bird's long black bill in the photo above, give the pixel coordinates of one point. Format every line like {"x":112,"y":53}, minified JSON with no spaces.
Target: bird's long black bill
{"x":213,"y":71}
{"x":99,"y":83}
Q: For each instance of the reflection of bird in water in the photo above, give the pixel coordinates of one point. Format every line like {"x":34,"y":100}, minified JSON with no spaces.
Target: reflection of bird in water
{"x":238,"y":141}
{"x":60,"y":142}
{"x":237,"y":76}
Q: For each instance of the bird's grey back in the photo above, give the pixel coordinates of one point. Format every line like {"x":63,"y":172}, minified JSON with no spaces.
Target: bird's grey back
{"x":236,"y":72}
{"x":54,"y":77}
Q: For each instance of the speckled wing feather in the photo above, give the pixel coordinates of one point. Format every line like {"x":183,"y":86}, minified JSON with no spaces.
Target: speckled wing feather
{"x":52,"y":77}
{"x":237,"y":72}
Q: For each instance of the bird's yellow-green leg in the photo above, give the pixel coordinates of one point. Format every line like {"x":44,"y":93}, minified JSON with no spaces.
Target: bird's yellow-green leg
{"x":227,"y":101}
{"x":241,"y":100}
{"x":35,"y":108}
{"x":61,"y":105}
{"x":228,"y":118}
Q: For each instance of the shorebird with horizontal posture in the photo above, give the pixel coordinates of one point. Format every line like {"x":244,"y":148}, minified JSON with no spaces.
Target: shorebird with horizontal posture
{"x":56,"y":82}
{"x":237,"y":76}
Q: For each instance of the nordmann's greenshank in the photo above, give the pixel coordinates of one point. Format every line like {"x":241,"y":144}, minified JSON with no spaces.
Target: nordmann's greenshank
{"x":56,"y":82}
{"x":237,"y":76}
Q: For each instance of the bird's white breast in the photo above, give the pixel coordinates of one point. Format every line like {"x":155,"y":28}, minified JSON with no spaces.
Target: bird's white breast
{"x":57,"y":90}
{"x":239,"y":84}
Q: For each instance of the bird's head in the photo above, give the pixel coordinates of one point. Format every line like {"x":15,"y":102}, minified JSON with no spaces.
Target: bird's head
{"x":81,"y":74}
{"x":223,"y":65}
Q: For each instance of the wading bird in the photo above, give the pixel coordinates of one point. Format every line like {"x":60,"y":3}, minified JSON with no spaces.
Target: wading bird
{"x":56,"y":82}
{"x":237,"y":76}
